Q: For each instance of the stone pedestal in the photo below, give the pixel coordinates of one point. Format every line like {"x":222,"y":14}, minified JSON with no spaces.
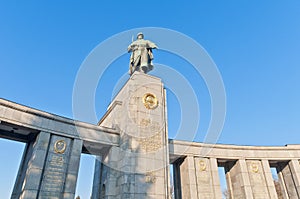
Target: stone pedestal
{"x":138,"y":168}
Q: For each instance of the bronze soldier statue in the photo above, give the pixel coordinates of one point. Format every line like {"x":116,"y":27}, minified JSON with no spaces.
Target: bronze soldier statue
{"x":141,"y":56}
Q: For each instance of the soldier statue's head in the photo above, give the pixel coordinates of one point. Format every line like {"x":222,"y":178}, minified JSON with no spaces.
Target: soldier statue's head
{"x":140,"y":35}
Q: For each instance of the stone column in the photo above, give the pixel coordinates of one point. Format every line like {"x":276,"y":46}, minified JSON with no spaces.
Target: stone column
{"x":281,"y":181}
{"x":295,"y":170}
{"x":227,"y":167}
{"x":96,"y":191}
{"x":289,"y":178}
{"x":49,"y":168}
{"x":269,"y":179}
{"x":27,"y":184}
{"x":257,"y":179}
{"x":207,"y":176}
{"x":188,"y":178}
{"x":61,"y":168}
{"x":72,"y":169}
{"x":176,"y":178}
{"x":215,"y":178}
{"x":112,"y":174}
{"x":238,"y":176}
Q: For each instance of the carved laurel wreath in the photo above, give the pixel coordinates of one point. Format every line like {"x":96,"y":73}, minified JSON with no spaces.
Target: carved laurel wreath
{"x":60,"y":146}
{"x":150,"y":101}
{"x":202,"y":165}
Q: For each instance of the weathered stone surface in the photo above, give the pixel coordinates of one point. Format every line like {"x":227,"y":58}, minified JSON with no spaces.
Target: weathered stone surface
{"x":30,"y":172}
{"x":132,"y":138}
{"x":143,"y":140}
{"x":36,"y":121}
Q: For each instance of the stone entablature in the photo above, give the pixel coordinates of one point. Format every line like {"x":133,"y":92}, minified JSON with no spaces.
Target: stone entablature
{"x":225,"y":151}
{"x":35,"y":120}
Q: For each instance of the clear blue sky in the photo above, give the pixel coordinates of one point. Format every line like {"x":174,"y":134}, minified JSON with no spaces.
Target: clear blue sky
{"x":255,"y":45}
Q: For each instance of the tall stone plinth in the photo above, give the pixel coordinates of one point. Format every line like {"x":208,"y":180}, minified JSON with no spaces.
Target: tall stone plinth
{"x":138,"y":168}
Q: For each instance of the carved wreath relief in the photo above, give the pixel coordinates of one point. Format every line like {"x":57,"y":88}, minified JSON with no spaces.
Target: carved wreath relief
{"x":202,"y":165}
{"x":150,"y":101}
{"x":254,"y":167}
{"x":60,"y":146}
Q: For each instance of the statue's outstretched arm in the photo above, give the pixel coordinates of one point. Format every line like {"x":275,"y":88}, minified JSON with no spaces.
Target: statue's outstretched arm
{"x":152,"y":45}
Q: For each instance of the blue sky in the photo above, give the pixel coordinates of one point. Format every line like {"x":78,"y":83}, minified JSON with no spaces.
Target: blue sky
{"x":255,"y":45}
